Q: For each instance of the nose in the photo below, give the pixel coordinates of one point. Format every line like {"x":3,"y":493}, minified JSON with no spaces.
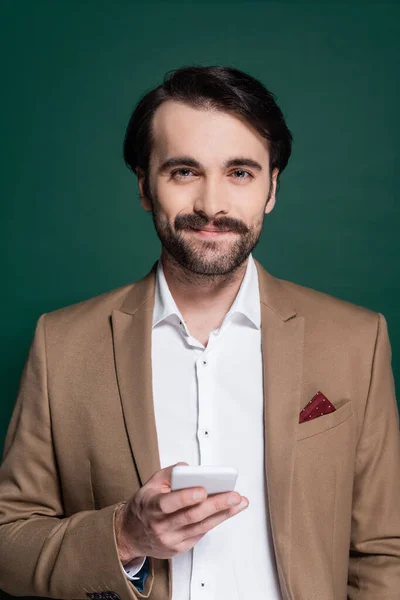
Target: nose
{"x":211,"y":200}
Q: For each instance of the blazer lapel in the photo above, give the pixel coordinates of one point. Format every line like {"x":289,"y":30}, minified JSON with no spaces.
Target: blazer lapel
{"x":282,"y":347}
{"x":132,"y":328}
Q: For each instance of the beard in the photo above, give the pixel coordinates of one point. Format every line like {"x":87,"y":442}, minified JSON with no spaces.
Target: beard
{"x":206,"y":257}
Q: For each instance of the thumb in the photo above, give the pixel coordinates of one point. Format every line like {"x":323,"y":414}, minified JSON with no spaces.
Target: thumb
{"x":163,"y":476}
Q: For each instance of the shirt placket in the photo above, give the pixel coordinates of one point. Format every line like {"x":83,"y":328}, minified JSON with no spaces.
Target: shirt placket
{"x":202,"y":584}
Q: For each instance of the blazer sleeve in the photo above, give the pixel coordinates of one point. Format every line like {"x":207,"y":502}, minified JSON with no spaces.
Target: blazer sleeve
{"x":43,"y":552}
{"x":374,"y":567}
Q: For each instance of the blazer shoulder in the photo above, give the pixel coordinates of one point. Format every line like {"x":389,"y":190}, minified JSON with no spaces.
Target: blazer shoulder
{"x":91,"y":319}
{"x":323,"y":308}
{"x":96,"y":306}
{"x":85,"y":322}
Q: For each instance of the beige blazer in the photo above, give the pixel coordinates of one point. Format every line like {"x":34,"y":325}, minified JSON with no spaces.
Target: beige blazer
{"x":83,"y":438}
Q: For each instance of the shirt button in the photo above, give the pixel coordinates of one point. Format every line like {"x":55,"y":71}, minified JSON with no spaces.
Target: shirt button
{"x":204,"y":363}
{"x":206,"y":433}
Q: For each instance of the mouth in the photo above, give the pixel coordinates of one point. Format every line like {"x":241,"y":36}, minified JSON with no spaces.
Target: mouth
{"x":209,"y":232}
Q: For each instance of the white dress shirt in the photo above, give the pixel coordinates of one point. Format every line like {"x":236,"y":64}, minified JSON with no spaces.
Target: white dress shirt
{"x":208,"y":406}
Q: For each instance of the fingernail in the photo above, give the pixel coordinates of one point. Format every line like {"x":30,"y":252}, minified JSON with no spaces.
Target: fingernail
{"x":233,"y":500}
{"x":198,"y":496}
{"x":243,"y":504}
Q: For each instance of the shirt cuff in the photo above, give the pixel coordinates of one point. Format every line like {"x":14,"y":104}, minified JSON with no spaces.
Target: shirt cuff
{"x":131,"y":569}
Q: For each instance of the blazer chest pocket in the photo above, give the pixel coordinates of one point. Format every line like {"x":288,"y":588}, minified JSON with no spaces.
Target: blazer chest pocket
{"x":324,"y":423}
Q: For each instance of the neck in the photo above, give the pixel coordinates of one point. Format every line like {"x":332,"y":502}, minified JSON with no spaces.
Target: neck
{"x":203,"y":300}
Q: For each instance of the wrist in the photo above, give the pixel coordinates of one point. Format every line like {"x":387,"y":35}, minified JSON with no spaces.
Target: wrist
{"x":126,"y":551}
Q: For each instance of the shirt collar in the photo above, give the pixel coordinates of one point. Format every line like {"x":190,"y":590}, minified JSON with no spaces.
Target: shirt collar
{"x":246,"y":303}
{"x":164,"y":304}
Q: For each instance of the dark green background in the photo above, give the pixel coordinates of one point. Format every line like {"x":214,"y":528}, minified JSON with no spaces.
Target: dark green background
{"x":71,"y":222}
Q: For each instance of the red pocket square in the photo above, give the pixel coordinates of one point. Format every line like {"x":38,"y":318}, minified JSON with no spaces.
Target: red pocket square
{"x":318,"y":406}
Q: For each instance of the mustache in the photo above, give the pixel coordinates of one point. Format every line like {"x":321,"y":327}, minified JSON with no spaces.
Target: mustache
{"x":193,"y":221}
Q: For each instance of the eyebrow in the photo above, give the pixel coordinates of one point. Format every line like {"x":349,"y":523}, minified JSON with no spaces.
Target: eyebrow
{"x":188,"y":161}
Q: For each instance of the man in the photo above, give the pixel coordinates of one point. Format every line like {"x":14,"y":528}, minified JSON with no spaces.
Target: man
{"x":207,"y":360}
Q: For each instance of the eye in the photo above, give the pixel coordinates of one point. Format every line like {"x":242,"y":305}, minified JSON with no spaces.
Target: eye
{"x":242,"y":174}
{"x":181,"y":173}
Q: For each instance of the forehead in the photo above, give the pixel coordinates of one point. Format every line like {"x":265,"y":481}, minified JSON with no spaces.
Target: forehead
{"x":206,"y":134}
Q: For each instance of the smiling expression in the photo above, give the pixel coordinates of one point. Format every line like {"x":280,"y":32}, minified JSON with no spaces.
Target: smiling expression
{"x":210,"y":187}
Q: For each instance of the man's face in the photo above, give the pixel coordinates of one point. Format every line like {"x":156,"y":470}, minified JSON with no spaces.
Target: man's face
{"x":209,"y":184}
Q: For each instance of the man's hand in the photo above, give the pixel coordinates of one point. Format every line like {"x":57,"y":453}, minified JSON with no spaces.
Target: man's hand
{"x":159,"y":523}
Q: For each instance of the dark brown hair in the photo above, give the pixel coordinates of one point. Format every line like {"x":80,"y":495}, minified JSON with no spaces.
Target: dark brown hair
{"x":221,"y":88}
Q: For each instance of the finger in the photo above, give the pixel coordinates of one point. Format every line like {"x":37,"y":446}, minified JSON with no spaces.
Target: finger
{"x":202,"y":527}
{"x":163,"y":476}
{"x":180,"y":499}
{"x":198,"y":512}
{"x":187,"y":544}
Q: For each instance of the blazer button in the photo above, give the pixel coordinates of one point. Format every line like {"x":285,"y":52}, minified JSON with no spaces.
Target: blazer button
{"x":111,"y":596}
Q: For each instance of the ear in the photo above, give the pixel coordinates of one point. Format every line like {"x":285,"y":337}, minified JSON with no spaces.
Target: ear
{"x":272,"y":197}
{"x":144,"y":200}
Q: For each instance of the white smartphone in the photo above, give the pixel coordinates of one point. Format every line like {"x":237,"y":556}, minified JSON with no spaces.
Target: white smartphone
{"x":213,"y":479}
